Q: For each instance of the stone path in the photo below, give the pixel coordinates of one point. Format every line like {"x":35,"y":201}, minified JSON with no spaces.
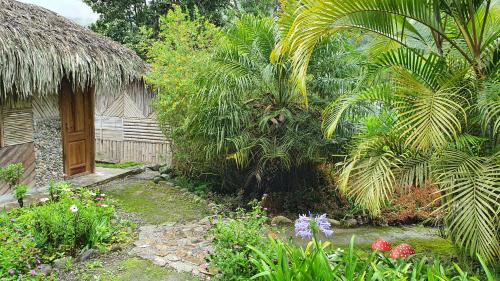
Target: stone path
{"x":181,"y":246}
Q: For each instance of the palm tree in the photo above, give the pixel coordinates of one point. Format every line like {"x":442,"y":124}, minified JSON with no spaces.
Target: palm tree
{"x":442,"y":94}
{"x":249,"y":119}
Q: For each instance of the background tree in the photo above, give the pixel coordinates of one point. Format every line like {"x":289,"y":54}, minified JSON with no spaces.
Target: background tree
{"x":136,"y":23}
{"x":237,"y":120}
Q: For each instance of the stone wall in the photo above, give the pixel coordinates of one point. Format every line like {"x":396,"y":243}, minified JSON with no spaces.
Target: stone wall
{"x":47,"y":140}
{"x":48,"y":150}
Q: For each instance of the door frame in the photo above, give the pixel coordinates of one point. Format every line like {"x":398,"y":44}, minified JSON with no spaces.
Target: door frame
{"x":90,"y":131}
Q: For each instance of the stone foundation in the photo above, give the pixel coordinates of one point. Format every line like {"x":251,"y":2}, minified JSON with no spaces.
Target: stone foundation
{"x":47,"y":139}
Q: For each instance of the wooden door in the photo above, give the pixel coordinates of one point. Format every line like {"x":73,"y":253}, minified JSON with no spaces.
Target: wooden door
{"x":77,"y":116}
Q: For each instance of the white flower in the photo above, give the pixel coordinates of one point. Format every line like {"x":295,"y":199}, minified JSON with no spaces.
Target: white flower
{"x":43,"y":200}
{"x":103,"y":195}
{"x":73,"y":208}
{"x":104,"y":205}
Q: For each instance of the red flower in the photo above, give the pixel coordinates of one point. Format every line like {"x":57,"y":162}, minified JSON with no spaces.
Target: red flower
{"x":402,"y":251}
{"x":381,"y":245}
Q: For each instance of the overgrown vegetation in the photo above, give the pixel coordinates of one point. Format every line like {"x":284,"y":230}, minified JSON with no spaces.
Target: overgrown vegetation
{"x":121,"y":165}
{"x":246,"y":122}
{"x":231,"y":257}
{"x":438,"y":108}
{"x":267,"y":258}
{"x":64,"y":225}
{"x":388,"y":108}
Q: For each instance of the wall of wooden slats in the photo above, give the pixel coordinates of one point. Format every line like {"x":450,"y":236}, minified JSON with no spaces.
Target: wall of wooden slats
{"x":24,"y":153}
{"x":138,"y":140}
{"x":46,"y":107}
{"x":145,"y":130}
{"x":109,"y":128}
{"x":17,"y":126}
{"x":126,"y":128}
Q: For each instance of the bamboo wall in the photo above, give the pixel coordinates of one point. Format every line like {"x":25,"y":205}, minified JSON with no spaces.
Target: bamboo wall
{"x":126,"y":128}
{"x":16,"y":140}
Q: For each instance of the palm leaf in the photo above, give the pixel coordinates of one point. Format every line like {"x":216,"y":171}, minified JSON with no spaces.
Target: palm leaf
{"x":471,"y":191}
{"x":427,"y":118}
{"x":368,"y":176}
{"x":337,"y":109}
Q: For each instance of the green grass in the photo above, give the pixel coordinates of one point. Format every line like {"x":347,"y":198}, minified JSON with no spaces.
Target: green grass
{"x":121,"y":165}
{"x":158,"y":203}
{"x":434,"y":246}
{"x":139,"y":269}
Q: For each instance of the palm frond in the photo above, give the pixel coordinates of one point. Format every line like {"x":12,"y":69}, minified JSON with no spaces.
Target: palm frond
{"x":470,"y":187}
{"x":428,"y":119}
{"x":368,"y":175}
{"x":336,"y":110}
{"x":489,"y":107}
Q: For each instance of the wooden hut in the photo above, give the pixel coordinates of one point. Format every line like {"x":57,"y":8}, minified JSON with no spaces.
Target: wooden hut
{"x":50,"y":72}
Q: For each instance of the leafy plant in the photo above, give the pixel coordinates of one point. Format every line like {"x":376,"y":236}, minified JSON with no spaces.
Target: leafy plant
{"x":18,"y":253}
{"x":20,"y":193}
{"x":231,"y":236}
{"x":12,"y":174}
{"x":442,"y":63}
{"x":57,"y":187}
{"x":318,"y":262}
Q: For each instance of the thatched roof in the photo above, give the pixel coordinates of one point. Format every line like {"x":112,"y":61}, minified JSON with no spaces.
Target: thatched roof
{"x":38,"y":48}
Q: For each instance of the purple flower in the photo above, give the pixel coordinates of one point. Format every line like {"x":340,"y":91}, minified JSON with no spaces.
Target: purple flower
{"x":99,"y":199}
{"x":323,"y":224}
{"x":305,"y":224}
{"x":303,"y":227}
{"x":33,"y":272}
{"x":11,"y":271}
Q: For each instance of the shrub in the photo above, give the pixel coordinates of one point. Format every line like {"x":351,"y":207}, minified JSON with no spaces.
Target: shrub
{"x":18,"y":251}
{"x":318,"y":262}
{"x":231,"y":257}
{"x":321,"y":264}
{"x":76,"y":221}
{"x":12,"y":174}
{"x":414,"y":205}
{"x":20,"y":191}
{"x":56,"y":187}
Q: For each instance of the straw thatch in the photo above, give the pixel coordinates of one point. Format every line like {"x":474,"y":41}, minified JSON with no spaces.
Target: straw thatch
{"x":38,"y":48}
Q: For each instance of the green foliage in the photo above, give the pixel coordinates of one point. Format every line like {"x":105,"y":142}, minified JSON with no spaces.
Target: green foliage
{"x":12,"y":174}
{"x":121,"y":165}
{"x":14,"y":257}
{"x":438,"y":81}
{"x":177,"y":58}
{"x":57,"y":187}
{"x":318,"y":262}
{"x":57,"y":229}
{"x":20,"y":191}
{"x":294,"y":263}
{"x":136,"y":23}
{"x":232,"y":235}
{"x":76,"y":220}
{"x":244,"y":117}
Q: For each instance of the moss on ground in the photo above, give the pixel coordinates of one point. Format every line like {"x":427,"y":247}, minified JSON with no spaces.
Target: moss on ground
{"x":432,"y":246}
{"x":424,"y":240}
{"x":158,"y":203}
{"x":139,"y":269}
{"x":121,"y":165}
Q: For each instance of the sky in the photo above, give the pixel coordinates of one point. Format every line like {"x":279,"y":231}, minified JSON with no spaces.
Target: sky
{"x":73,"y":9}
